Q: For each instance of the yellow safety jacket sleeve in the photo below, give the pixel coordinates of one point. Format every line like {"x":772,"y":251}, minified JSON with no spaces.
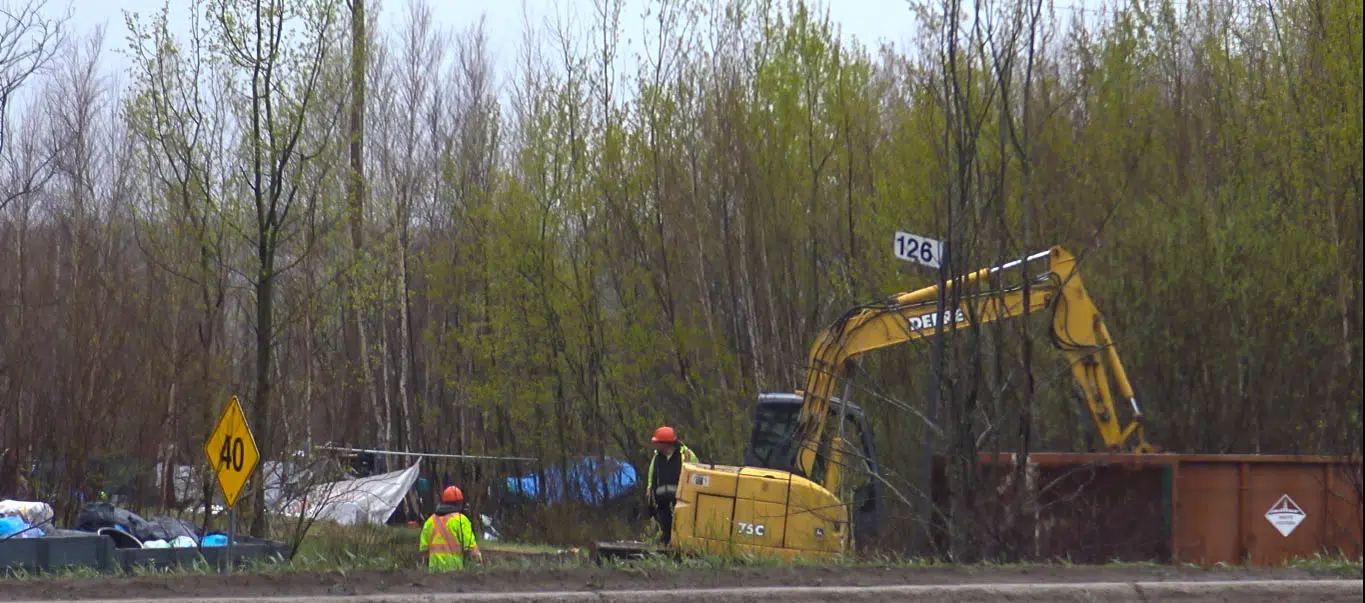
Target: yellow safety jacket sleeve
{"x":463,"y":530}
{"x":689,"y":456}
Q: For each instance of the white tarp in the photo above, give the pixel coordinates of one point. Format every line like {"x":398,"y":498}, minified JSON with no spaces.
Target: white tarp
{"x":365,"y":500}
{"x":188,"y":480}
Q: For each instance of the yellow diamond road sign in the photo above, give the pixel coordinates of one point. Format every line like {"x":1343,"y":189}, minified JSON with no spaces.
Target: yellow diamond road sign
{"x":232,"y":452}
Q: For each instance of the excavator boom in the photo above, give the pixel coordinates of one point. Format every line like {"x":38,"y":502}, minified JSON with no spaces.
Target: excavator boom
{"x":795,"y":499}
{"x":1077,"y":328}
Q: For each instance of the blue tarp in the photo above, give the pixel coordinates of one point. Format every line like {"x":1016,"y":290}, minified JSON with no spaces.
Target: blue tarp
{"x":591,"y":480}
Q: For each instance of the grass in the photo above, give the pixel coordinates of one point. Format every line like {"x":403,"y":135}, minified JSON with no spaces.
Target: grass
{"x":332,"y":548}
{"x":521,"y":548}
{"x":1334,"y":564}
{"x":74,"y":573}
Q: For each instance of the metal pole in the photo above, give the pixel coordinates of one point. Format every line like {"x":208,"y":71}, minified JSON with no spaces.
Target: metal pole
{"x":935,"y":368}
{"x":428,"y":454}
{"x":232,"y":535}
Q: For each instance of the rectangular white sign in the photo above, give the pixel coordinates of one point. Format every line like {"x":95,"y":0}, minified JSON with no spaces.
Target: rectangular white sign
{"x":917,"y":249}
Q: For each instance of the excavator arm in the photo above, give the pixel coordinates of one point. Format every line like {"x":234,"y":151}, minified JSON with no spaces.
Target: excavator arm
{"x":1077,"y":329}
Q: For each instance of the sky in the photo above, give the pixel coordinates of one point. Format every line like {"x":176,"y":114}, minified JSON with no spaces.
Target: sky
{"x":869,"y":20}
{"x":872,"y":22}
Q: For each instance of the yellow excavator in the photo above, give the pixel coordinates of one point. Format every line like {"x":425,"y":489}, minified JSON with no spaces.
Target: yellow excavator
{"x":796,"y":496}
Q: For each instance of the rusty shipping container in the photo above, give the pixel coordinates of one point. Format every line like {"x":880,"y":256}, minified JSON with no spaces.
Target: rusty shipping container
{"x":1206,"y":509}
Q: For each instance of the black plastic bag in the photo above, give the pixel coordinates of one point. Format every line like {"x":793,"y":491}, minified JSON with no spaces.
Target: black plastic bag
{"x":96,"y":515}
{"x":167,"y":528}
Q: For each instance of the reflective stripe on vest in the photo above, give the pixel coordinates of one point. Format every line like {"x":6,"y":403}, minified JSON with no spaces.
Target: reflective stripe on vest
{"x":450,"y":546}
{"x":687,"y":456}
{"x":666,"y":489}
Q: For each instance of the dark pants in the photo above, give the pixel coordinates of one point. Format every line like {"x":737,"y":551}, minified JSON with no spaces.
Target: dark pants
{"x":663,"y":513}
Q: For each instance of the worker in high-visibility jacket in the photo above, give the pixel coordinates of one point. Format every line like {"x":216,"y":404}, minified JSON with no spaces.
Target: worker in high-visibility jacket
{"x":447,"y":540}
{"x":661,"y":482}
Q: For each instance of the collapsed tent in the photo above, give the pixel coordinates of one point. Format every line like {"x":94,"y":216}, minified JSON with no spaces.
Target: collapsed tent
{"x":369,"y":499}
{"x":590,"y":480}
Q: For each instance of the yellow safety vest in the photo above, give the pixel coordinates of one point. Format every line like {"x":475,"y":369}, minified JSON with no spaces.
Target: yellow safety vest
{"x":447,"y":538}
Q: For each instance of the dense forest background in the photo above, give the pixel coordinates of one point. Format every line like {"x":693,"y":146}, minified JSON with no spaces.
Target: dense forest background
{"x":551,"y":262}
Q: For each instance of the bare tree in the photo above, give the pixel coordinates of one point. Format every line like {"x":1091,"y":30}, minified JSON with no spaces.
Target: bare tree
{"x":1024,"y":35}
{"x":278,"y":51}
{"x":28,"y":41}
{"x":356,"y":377}
{"x":177,"y":112}
{"x":410,"y":161}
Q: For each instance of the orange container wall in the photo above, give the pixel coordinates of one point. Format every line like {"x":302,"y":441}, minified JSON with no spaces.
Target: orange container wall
{"x":1222,"y":506}
{"x":1207,"y":517}
{"x":1203,"y":509}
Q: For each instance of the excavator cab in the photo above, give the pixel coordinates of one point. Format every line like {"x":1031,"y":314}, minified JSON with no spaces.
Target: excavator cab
{"x":853,"y":454}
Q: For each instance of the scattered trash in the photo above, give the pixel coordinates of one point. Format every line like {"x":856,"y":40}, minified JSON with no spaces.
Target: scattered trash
{"x":214,"y":539}
{"x":184,"y":542}
{"x":156,"y":544}
{"x":490,"y":532}
{"x":122,"y":539}
{"x":35,"y":513}
{"x":96,"y":515}
{"x":166,"y":528}
{"x":14,"y":526}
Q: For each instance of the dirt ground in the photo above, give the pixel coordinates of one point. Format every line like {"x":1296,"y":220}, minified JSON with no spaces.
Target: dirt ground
{"x":504,"y":579}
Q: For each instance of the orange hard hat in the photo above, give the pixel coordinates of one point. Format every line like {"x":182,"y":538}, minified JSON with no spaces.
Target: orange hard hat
{"x":665,"y":435}
{"x":452,"y":495}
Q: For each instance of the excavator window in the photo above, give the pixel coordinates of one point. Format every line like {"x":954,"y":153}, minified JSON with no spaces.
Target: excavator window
{"x":774,"y":435}
{"x":774,"y":432}
{"x":773,"y":438}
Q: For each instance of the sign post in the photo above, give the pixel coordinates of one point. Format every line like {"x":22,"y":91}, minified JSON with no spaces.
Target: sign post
{"x":232,"y":452}
{"x":934,"y":254}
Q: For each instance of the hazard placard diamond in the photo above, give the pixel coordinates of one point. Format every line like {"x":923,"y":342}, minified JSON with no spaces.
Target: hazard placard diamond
{"x":1285,"y":515}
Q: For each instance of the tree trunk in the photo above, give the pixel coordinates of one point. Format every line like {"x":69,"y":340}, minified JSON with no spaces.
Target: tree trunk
{"x":357,"y":367}
{"x":368,"y":381}
{"x":405,"y":336}
{"x":260,"y":415}
{"x":386,"y":436}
